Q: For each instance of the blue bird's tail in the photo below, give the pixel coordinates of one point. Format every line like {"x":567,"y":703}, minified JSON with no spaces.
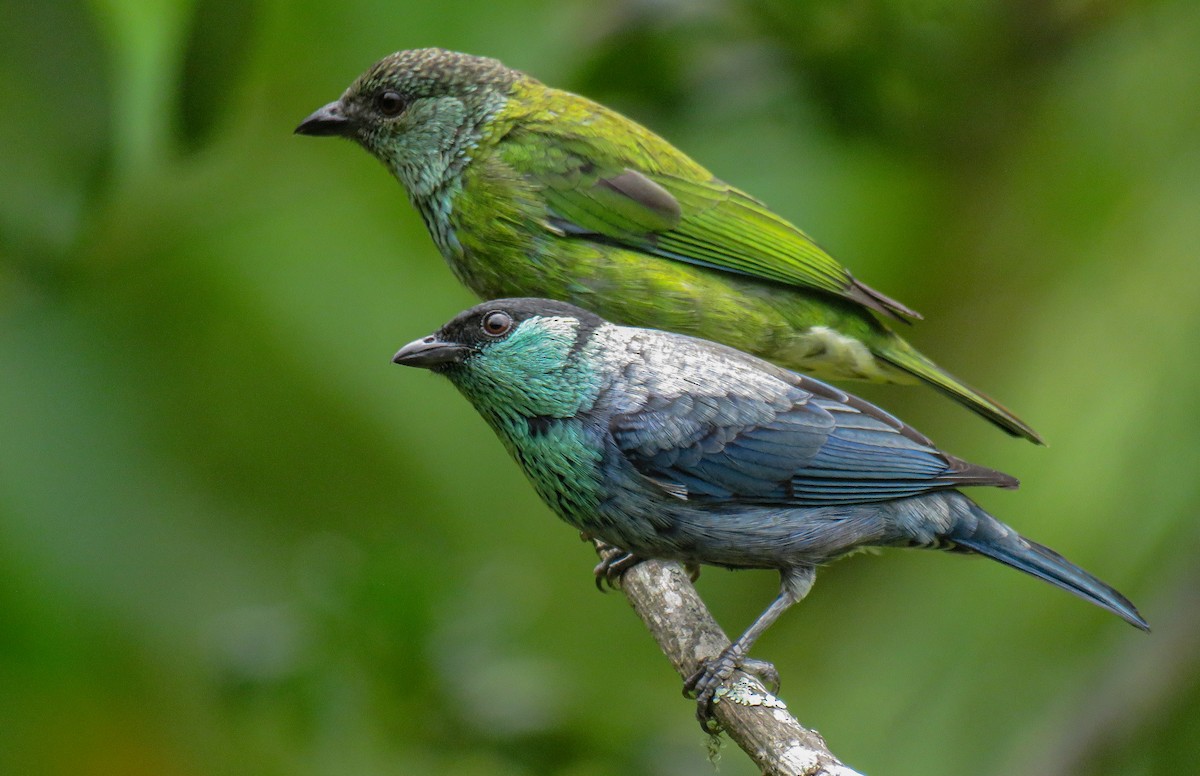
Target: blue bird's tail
{"x":988,"y":536}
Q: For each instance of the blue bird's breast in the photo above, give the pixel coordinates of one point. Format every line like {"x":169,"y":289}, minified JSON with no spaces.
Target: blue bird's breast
{"x":561,"y":460}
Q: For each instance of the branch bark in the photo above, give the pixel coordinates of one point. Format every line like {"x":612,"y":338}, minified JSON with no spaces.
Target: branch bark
{"x":758,"y":722}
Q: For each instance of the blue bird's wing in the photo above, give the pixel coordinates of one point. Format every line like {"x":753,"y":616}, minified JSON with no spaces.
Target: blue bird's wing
{"x":801,"y":443}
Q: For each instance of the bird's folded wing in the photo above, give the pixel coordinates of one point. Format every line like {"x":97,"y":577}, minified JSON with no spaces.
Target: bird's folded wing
{"x":810,"y":445}
{"x":675,"y":211}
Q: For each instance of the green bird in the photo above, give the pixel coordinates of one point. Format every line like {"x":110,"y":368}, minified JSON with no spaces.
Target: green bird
{"x":532,"y":191}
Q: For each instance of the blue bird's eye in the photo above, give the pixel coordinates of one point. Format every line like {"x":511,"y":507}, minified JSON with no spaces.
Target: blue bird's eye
{"x":497,"y":324}
{"x":389,"y":103}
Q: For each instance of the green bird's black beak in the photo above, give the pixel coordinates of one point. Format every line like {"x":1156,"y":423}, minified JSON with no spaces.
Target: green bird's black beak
{"x":431,"y":353}
{"x":326,"y":120}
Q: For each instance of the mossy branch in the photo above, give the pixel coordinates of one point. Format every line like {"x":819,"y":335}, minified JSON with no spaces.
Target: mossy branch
{"x":758,"y":722}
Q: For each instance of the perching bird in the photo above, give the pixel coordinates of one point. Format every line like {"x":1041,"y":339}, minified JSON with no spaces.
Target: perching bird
{"x":667,"y":446}
{"x":532,"y":191}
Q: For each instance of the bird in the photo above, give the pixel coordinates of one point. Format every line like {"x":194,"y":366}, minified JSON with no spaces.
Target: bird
{"x":667,"y":446}
{"x":528,"y":190}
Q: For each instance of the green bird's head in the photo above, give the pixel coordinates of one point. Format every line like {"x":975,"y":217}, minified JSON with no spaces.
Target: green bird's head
{"x":418,"y":111}
{"x":515,"y":357}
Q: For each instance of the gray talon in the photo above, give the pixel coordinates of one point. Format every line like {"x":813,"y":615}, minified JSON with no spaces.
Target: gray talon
{"x":709,"y":678}
{"x":763,"y":671}
{"x":613,"y":563}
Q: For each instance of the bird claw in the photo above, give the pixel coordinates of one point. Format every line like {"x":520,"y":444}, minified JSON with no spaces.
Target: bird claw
{"x":715,"y":672}
{"x":762,"y":671}
{"x":613,"y":563}
{"x":703,"y":685}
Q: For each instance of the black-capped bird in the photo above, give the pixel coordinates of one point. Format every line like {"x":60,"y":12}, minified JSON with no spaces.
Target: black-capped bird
{"x":672,"y":447}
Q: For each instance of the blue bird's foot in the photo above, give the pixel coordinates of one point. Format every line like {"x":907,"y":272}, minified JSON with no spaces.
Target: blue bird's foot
{"x":714,"y":673}
{"x":762,"y":671}
{"x":703,"y":686}
{"x":795,"y":583}
{"x":613,"y":563}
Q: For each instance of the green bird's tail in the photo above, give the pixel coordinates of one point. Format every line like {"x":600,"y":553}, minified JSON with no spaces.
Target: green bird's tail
{"x":903,"y":356}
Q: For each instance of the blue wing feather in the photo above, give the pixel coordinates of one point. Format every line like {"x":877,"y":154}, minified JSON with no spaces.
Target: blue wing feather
{"x":807,"y":444}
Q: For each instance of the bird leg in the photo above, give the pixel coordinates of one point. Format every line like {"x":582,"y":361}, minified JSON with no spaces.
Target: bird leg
{"x":613,"y":563}
{"x":714,"y":672}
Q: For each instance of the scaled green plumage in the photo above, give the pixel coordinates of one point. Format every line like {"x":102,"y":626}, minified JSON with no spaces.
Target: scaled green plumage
{"x":532,"y":191}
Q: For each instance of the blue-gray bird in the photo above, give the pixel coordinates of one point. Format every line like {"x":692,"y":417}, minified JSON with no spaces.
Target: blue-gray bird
{"x":672,"y":447}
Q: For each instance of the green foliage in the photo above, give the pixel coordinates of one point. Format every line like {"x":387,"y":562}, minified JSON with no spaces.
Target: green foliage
{"x":235,"y":539}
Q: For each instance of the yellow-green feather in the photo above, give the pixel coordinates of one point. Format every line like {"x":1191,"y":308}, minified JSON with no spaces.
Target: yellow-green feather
{"x":533,"y":153}
{"x":569,"y":144}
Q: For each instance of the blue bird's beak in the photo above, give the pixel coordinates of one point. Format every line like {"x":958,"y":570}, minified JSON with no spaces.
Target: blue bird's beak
{"x":327,"y":120}
{"x":431,"y":353}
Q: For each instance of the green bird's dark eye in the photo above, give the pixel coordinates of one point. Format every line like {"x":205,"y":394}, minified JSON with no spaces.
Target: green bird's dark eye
{"x":389,"y":103}
{"x":497,"y":324}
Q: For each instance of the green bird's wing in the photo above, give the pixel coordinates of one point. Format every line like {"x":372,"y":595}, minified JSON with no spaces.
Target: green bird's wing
{"x":653,"y":199}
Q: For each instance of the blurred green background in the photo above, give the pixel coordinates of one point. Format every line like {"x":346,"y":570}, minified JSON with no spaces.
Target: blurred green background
{"x":235,"y":540}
